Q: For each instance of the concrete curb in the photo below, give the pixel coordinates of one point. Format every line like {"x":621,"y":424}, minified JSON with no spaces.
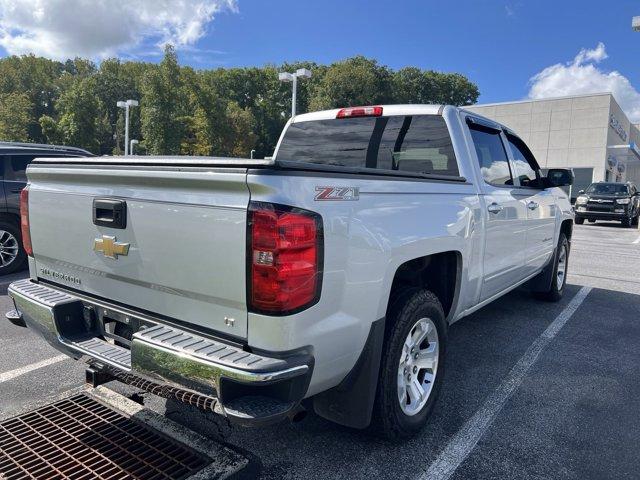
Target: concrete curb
{"x":225,"y":462}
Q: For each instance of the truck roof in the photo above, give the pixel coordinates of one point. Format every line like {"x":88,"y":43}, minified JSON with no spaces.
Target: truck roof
{"x":387,"y":110}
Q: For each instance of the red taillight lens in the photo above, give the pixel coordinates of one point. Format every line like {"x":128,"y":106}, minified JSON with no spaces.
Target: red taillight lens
{"x":24,"y":221}
{"x":359,"y":112}
{"x":284,"y":257}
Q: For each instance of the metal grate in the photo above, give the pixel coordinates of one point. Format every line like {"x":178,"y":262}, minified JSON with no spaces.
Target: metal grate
{"x":79,"y":438}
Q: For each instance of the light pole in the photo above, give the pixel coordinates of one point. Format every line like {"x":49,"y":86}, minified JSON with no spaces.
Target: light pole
{"x":126,"y":105}
{"x":131,"y":144}
{"x":293,"y":77}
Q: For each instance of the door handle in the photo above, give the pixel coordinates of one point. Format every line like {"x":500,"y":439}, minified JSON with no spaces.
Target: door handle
{"x":532,"y":205}
{"x":109,"y":212}
{"x":495,"y":208}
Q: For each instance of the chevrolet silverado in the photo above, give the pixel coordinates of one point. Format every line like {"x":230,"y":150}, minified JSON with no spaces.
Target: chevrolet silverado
{"x":325,"y":277}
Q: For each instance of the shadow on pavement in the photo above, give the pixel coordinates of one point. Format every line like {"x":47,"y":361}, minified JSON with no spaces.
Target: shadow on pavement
{"x":482,"y":350}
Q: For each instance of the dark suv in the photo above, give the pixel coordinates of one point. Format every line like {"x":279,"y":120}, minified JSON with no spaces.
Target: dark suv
{"x":608,"y":201}
{"x":15,"y":157}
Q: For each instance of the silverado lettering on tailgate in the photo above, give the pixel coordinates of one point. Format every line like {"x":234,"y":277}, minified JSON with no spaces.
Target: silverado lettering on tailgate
{"x":46,"y":272}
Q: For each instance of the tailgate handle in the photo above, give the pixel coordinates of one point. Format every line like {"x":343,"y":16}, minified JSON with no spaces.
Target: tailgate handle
{"x":108,"y":212}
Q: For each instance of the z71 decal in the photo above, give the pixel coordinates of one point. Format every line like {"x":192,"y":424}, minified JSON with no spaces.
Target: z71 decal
{"x":337,"y":194}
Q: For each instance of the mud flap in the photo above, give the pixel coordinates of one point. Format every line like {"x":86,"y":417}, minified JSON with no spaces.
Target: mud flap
{"x":351,"y":402}
{"x":542,"y":281}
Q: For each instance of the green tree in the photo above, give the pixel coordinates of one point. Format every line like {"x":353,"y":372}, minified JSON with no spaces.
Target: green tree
{"x":39,"y":79}
{"x":355,"y":81}
{"x":15,"y":117}
{"x":239,"y":138}
{"x":412,"y":85}
{"x":115,"y":81}
{"x":196,"y":112}
{"x":160,"y":106}
{"x":81,"y":118}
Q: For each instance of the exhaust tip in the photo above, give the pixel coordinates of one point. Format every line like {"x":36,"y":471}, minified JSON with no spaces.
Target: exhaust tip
{"x":298,"y":414}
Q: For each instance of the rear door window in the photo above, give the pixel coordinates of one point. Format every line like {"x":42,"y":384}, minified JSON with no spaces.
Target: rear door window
{"x":412,"y":143}
{"x":492,"y":157}
{"x":15,"y":167}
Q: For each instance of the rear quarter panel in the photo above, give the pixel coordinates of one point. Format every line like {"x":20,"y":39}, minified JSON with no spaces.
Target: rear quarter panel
{"x":366,"y":240}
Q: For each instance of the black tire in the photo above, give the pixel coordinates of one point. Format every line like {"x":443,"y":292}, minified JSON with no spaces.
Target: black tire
{"x":556,"y":291}
{"x":579,"y":221}
{"x":20,"y":260}
{"x":389,"y":420}
{"x":635,"y":220}
{"x":626,"y":222}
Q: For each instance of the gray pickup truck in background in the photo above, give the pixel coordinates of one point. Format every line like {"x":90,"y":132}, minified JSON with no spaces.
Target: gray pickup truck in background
{"x":328,"y":274}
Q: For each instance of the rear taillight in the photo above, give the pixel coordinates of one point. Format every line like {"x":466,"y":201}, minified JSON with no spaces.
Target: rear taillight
{"x":359,"y":112}
{"x":284,"y":258}
{"x":24,"y":221}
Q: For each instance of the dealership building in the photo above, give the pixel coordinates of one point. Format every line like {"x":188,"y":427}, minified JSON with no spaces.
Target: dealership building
{"x":588,"y":133}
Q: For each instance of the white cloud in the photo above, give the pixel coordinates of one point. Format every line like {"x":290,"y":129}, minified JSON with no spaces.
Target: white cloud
{"x":63,"y":29}
{"x":583,"y":76}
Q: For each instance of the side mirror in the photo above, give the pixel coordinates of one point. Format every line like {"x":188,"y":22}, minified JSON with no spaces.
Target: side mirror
{"x":559,"y":177}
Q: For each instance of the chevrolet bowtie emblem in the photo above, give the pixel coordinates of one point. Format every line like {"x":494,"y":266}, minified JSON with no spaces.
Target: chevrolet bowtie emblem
{"x":108,"y":245}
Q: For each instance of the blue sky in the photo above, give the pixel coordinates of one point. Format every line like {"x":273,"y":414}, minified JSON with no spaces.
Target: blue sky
{"x":500,"y":45}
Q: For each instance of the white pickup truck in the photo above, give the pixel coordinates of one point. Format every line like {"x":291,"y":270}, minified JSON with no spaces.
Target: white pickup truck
{"x":326,"y":276}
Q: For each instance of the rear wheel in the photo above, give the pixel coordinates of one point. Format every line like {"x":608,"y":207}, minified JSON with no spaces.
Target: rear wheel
{"x":559,"y":278}
{"x":12,"y":254}
{"x":579,"y":221}
{"x":412,"y":365}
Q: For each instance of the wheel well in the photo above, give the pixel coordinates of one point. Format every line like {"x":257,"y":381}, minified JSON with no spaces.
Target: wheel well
{"x":567,"y":229}
{"x":438,"y":273}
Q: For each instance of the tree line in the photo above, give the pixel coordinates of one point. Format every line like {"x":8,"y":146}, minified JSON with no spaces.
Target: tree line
{"x":223,"y":111}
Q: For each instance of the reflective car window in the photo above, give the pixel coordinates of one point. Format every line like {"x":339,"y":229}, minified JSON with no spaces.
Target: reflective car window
{"x":492,"y":156}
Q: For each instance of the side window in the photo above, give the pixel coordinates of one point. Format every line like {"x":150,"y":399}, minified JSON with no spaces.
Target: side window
{"x":419,"y":144}
{"x":494,"y":163}
{"x":15,"y":167}
{"x":525,"y":164}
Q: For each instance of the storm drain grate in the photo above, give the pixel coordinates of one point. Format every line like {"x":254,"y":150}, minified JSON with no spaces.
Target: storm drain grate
{"x":79,"y":438}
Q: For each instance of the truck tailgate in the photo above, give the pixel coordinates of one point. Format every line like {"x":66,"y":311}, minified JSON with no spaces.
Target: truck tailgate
{"x":185,"y":231}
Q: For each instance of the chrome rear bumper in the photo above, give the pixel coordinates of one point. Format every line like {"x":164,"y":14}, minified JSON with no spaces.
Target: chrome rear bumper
{"x":167,"y":354}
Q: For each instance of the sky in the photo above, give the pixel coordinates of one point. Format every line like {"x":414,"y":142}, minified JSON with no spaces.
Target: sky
{"x":512,"y":49}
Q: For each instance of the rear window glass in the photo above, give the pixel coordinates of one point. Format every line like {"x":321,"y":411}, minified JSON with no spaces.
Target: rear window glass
{"x":418,"y":143}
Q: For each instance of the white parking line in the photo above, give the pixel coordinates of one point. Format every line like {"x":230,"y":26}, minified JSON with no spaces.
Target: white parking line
{"x":463,"y":442}
{"x":11,"y":374}
{"x":636,"y":241}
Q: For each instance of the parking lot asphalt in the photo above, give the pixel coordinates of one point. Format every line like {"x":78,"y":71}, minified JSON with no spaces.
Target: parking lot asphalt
{"x":531,"y":389}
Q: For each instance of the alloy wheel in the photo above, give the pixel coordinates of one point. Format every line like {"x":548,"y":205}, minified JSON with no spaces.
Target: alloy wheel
{"x":9,"y":248}
{"x":562,"y":267}
{"x":418,"y":366}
